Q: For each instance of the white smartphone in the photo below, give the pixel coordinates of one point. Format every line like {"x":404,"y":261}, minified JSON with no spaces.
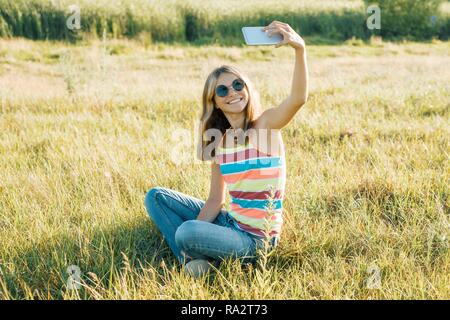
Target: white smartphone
{"x":255,"y":36}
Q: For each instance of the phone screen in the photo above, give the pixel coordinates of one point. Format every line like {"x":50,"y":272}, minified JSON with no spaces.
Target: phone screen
{"x":256,"y":36}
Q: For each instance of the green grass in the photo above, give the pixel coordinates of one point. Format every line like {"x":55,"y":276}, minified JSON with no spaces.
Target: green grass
{"x":85,"y":132}
{"x":212,"y":22}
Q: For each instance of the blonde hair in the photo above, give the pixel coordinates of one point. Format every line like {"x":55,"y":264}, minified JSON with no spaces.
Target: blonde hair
{"x":213,"y":118}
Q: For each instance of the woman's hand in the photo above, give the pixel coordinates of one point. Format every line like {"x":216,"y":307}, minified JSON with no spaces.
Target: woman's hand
{"x":290,"y":37}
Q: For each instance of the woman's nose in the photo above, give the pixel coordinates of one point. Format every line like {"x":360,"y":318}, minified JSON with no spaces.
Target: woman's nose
{"x":233,"y":93}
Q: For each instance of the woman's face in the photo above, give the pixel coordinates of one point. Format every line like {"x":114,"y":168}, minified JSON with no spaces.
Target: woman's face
{"x":234,"y":101}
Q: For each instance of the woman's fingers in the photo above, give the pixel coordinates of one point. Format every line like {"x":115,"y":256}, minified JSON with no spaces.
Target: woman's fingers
{"x":272,"y":24}
{"x":285,"y":39}
{"x":276,"y":23}
{"x":273,"y":28}
{"x":281,"y":31}
{"x":277,"y":29}
{"x":290,"y":36}
{"x":276,"y":26}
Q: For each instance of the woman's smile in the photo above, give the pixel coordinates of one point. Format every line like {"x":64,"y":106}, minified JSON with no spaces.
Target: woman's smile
{"x":239,"y":99}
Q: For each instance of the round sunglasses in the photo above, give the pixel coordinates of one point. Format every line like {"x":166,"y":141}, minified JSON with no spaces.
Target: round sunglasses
{"x":222,"y":90}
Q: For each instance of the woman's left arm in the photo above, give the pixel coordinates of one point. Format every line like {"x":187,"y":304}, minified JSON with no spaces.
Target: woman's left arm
{"x":278,"y":117}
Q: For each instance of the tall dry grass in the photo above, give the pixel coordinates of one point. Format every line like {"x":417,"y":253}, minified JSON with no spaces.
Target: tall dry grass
{"x":86,"y":130}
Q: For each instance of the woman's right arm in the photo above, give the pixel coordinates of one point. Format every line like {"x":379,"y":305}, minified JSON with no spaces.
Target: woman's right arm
{"x":216,"y":198}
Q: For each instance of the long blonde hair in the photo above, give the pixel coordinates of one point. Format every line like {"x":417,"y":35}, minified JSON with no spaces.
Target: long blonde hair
{"x":213,"y":118}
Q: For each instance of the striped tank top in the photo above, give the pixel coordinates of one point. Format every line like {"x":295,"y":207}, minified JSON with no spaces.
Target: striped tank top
{"x":256,"y":183}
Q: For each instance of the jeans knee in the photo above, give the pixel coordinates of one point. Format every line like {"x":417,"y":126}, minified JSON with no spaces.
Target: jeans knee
{"x":150,"y":197}
{"x":184,"y":235}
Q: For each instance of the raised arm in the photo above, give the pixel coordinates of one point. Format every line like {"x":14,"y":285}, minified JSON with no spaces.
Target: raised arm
{"x":278,"y":117}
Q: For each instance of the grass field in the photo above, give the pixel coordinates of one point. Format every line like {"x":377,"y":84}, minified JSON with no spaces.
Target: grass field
{"x":85,"y":131}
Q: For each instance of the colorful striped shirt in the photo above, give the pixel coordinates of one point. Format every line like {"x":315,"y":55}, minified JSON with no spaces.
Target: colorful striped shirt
{"x":252,"y":176}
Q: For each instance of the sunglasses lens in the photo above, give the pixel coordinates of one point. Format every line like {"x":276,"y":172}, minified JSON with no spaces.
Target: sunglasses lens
{"x":238,"y":85}
{"x":222,"y":91}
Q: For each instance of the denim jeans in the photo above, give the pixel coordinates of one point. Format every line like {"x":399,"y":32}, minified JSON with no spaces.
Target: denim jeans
{"x":175,"y":215}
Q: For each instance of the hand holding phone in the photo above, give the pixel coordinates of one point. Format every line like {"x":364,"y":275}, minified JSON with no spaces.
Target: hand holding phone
{"x":255,"y":36}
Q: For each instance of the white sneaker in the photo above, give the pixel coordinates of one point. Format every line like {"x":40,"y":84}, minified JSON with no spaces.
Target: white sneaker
{"x":197,"y":267}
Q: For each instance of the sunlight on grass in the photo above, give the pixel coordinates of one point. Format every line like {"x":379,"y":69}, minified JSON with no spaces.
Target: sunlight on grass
{"x":86,"y":131}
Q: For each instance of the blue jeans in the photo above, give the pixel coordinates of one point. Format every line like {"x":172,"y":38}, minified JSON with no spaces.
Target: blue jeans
{"x":175,"y":215}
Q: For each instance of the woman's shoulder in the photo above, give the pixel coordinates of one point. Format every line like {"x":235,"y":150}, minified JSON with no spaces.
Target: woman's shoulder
{"x":267,"y":140}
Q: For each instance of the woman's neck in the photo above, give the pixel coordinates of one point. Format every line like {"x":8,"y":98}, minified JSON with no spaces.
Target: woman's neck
{"x":236,"y":122}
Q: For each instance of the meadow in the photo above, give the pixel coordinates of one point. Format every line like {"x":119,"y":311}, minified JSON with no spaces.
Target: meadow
{"x":86,"y":130}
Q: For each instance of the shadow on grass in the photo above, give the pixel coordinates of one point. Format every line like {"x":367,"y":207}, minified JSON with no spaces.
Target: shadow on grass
{"x":43,"y":266}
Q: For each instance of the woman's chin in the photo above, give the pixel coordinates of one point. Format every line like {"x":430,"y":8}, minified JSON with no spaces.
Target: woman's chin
{"x":236,"y":108}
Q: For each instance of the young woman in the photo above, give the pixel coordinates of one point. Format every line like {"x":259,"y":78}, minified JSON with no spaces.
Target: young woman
{"x":248,"y":157}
